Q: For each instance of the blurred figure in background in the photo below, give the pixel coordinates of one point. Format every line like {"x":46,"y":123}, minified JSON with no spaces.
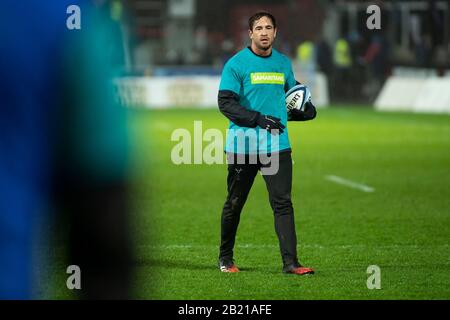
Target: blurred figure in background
{"x":324,"y":57}
{"x":31,"y":39}
{"x":228,"y":48}
{"x":63,"y":146}
{"x":93,"y":158}
{"x":306,"y":55}
{"x":420,"y":48}
{"x":306,"y":58}
{"x":343,"y":67}
{"x":376,"y":60}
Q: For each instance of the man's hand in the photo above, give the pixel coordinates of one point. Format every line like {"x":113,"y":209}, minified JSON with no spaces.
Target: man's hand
{"x":270,"y":123}
{"x":309,"y":113}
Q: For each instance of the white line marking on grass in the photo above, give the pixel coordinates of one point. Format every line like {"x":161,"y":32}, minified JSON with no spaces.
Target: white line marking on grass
{"x":348,"y":183}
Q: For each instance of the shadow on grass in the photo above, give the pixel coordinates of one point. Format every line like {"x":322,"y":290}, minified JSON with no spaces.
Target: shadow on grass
{"x":200,"y":265}
{"x":175,"y":264}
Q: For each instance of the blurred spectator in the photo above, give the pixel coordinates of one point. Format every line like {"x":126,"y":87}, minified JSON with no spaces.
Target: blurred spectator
{"x":29,"y":88}
{"x":418,"y":41}
{"x":324,"y":57}
{"x":201,"y":45}
{"x":305,"y":64}
{"x":343,"y":64}
{"x":174,"y":57}
{"x":306,"y":56}
{"x":92,"y":159}
{"x":434,"y":27}
{"x":376,"y":57}
{"x":64,"y":146}
{"x":228,"y":50}
{"x":342,"y":54}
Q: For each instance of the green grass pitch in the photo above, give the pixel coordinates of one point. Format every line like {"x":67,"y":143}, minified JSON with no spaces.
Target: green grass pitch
{"x":403,"y":226}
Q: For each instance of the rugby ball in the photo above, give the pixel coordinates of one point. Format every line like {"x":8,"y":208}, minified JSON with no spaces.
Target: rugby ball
{"x":297,"y":96}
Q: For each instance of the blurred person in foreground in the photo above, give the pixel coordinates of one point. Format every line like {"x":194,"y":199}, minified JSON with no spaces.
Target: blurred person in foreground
{"x":252,"y":96}
{"x":63,"y":153}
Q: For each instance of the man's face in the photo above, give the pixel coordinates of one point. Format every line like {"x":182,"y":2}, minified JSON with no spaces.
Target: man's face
{"x":263,"y":33}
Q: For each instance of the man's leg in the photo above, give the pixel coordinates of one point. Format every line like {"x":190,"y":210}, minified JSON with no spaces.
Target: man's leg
{"x":240,"y":180}
{"x":279,"y":186}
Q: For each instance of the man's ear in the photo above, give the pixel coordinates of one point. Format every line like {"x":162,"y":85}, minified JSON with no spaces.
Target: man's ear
{"x":275,"y":33}
{"x":250,"y":33}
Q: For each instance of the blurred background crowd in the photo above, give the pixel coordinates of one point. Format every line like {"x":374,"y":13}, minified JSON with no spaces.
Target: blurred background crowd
{"x":328,"y":36}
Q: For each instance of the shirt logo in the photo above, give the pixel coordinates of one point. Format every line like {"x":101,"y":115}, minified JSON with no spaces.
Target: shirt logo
{"x":267,"y":78}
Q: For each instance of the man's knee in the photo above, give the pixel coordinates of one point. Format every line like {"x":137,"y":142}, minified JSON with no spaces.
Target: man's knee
{"x":234,"y":205}
{"x":282,"y":204}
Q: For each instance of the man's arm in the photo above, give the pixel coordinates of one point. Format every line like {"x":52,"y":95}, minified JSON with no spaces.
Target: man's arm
{"x":230,"y":107}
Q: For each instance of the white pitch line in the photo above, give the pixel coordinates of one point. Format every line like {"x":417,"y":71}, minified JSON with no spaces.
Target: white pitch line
{"x":348,"y":183}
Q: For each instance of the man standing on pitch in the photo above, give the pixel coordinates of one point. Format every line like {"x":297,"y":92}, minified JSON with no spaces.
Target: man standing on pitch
{"x":252,"y":97}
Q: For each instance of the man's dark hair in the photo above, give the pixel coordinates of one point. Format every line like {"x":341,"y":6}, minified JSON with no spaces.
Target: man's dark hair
{"x":258,"y":16}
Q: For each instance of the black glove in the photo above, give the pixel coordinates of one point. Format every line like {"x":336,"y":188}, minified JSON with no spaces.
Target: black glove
{"x":270,"y":123}
{"x":309,"y":113}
